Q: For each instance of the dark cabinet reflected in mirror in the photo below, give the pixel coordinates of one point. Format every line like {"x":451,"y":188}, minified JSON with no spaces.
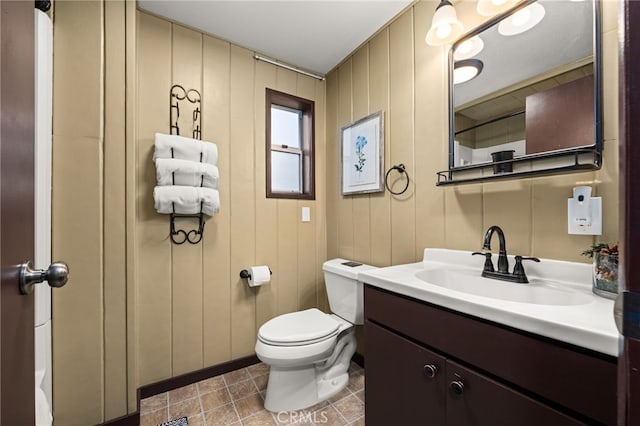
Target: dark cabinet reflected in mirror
{"x":525,"y":99}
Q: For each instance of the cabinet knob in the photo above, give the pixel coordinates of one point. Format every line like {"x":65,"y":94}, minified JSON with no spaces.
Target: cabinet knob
{"x":430,"y":370}
{"x":457,"y":387}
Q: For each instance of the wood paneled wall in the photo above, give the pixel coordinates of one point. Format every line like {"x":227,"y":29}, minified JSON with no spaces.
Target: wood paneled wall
{"x":193,"y":308}
{"x":139,"y":309}
{"x":397,"y":72}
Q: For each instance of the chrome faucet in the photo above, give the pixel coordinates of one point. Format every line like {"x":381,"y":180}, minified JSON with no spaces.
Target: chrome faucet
{"x":502,"y":273}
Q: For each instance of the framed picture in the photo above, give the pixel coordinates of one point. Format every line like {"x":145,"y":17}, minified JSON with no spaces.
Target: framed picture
{"x":362,"y":155}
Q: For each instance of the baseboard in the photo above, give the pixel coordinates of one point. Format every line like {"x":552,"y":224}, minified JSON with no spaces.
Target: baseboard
{"x":132,"y":419}
{"x":179,"y":381}
{"x":358,"y":359}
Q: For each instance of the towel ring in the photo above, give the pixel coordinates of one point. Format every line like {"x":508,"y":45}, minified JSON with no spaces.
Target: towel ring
{"x":402,"y":170}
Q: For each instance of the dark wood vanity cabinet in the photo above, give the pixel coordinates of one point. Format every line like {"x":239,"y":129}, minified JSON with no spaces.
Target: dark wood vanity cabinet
{"x":426,"y":365}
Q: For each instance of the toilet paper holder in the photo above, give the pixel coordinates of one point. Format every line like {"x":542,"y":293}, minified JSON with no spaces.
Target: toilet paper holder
{"x":246,"y":274}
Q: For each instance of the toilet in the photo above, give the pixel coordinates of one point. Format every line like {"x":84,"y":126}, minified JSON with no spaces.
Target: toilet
{"x":309,"y":351}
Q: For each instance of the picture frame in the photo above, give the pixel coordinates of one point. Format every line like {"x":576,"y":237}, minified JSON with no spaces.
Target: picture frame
{"x":362,"y":154}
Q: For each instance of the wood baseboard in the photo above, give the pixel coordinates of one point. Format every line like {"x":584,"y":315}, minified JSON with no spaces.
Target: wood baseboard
{"x":358,"y":359}
{"x":132,"y":419}
{"x":195,"y":376}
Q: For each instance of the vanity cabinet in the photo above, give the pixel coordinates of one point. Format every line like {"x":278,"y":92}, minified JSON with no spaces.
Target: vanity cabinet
{"x":432,"y":366}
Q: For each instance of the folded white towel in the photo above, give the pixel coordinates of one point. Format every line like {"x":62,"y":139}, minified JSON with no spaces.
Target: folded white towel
{"x":186,"y":173}
{"x":186,"y":200}
{"x":185,"y":149}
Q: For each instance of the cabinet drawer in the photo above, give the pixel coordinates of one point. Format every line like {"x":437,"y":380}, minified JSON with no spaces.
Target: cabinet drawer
{"x":576,"y":380}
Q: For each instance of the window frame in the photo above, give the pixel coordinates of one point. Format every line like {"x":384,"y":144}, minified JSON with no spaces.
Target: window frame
{"x":307,"y":148}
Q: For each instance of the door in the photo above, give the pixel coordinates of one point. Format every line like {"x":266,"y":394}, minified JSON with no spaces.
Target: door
{"x":629,"y":360}
{"x":16,"y":211}
{"x":405,"y":382}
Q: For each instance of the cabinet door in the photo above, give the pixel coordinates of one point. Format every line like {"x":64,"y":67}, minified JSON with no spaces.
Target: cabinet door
{"x":474,"y":399}
{"x":404,"y":383}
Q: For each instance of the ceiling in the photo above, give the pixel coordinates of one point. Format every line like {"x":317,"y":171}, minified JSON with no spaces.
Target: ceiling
{"x":314,"y":35}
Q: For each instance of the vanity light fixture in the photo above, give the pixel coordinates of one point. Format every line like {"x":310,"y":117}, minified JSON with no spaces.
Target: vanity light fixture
{"x":466,"y":70}
{"x":469,"y":48}
{"x":523,"y":20}
{"x":445,"y":26}
{"x":493,"y":7}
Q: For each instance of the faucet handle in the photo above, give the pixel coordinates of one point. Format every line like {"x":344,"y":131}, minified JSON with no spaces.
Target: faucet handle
{"x":488,"y":264}
{"x":518,"y":269}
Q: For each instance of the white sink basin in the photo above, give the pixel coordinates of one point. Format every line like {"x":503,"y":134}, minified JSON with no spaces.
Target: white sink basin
{"x":557,"y":303}
{"x":538,"y":292}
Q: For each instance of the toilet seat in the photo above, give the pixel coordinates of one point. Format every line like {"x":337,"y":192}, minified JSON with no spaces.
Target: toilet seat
{"x":299,"y":328}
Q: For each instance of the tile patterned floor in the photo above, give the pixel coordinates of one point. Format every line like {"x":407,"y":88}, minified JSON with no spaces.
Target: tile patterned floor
{"x":237,"y":398}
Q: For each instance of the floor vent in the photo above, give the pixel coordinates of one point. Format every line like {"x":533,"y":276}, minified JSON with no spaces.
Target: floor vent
{"x":182,"y":421}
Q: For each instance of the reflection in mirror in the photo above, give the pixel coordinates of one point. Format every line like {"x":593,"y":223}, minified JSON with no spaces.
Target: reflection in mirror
{"x":534,"y":105}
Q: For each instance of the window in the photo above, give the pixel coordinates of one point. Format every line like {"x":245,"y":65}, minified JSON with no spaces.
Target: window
{"x":290,"y":144}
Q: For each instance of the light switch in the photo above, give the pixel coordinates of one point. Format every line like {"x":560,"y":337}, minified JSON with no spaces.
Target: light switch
{"x":306,"y":214}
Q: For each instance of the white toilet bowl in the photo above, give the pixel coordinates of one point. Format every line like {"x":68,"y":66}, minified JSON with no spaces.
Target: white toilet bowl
{"x":309,"y":352}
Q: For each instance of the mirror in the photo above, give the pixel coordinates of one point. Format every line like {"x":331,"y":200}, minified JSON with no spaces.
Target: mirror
{"x":534,"y":106}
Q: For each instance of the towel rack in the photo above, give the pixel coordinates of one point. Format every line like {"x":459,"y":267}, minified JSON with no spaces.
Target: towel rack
{"x":192,"y":96}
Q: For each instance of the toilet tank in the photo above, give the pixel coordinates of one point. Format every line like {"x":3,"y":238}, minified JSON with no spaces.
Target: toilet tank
{"x":344,"y":291}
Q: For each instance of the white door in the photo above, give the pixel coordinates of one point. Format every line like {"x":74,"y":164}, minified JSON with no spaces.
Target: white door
{"x":42,"y":217}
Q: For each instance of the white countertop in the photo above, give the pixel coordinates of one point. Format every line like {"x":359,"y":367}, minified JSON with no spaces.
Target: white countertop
{"x":589,"y":325}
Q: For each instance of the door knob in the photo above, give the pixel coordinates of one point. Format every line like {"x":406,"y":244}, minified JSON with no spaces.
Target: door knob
{"x":56,"y":275}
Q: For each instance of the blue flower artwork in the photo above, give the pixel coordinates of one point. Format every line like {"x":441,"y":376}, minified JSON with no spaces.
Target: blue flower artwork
{"x":361,"y":141}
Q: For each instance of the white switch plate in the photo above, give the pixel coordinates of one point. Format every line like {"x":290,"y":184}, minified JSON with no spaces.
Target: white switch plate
{"x":596,"y":218}
{"x":306,"y":214}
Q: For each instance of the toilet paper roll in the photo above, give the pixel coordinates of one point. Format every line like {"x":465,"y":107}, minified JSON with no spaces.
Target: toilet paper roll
{"x":260,"y":275}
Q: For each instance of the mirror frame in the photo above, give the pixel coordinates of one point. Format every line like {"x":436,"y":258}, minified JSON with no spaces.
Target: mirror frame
{"x":593,"y":153}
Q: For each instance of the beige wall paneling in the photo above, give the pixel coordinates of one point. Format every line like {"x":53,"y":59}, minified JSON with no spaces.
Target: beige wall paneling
{"x":319,"y":214}
{"x":345,"y":203}
{"x":131,"y":93}
{"x":380,"y":203}
{"x":508,"y":205}
{"x":431,"y":147}
{"x":288,"y":217}
{"x":607,"y":187}
{"x":77,"y":220}
{"x":242,"y":204}
{"x":607,"y":177}
{"x":332,"y":176}
{"x":361,"y":205}
{"x":307,"y":247}
{"x":549,"y":214}
{"x":154,"y":270}
{"x":216,"y":300}
{"x":186,"y":279}
{"x":115,"y":278}
{"x":401,"y":101}
{"x":463,"y":217}
{"x":266,"y":208}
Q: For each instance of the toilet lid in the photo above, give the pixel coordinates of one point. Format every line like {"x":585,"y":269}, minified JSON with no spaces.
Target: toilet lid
{"x":296,"y":328}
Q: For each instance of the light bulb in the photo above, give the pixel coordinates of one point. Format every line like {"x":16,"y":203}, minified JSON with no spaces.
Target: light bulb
{"x":443,"y":31}
{"x":521,"y":17}
{"x":464,"y":74}
{"x":465,"y":47}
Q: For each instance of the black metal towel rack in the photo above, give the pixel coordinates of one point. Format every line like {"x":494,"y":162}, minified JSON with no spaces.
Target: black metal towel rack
{"x":192,"y":96}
